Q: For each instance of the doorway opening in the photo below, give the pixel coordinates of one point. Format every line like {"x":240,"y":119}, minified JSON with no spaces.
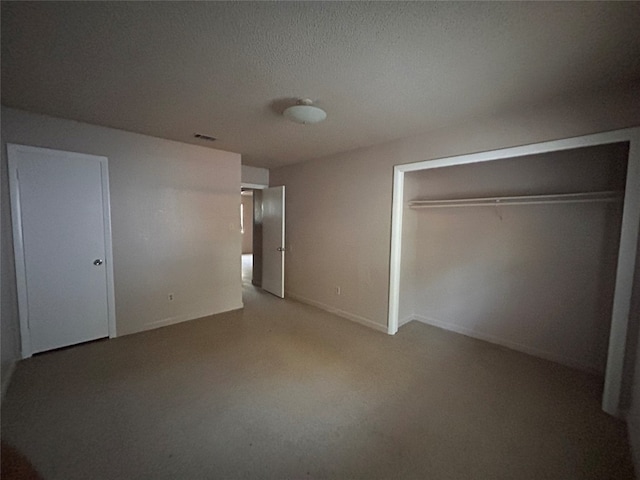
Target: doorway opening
{"x":263,"y":238}
{"x":247,"y":229}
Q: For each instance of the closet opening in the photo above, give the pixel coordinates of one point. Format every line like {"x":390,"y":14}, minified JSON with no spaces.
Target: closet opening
{"x":531,"y":247}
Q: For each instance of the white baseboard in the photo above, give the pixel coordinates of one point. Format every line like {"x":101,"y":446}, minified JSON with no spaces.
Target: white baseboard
{"x":7,"y":378}
{"x":336,"y":311}
{"x":406,"y":320}
{"x":507,"y":343}
{"x":182,"y":318}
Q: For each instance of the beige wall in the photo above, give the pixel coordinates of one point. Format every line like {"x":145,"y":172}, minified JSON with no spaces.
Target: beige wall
{"x":175,"y":222}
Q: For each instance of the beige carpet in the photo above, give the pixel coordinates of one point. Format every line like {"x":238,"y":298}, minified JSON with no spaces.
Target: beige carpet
{"x":281,"y":390}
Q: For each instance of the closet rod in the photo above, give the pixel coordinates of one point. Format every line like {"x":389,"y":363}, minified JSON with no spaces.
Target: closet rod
{"x":606,"y":196}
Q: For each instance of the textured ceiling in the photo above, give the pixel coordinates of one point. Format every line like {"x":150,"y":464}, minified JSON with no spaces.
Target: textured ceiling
{"x":381,"y":70}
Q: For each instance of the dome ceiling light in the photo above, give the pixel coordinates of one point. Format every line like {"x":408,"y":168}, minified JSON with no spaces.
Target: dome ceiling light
{"x":304,"y":112}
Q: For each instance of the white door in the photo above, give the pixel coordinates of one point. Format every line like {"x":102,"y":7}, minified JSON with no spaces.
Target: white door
{"x":273,"y":240}
{"x":62,"y":247}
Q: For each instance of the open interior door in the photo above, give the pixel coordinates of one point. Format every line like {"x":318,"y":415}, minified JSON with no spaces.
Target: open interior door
{"x":273,"y":240}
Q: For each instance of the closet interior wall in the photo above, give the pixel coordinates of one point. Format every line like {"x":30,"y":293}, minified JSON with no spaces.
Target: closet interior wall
{"x":538,"y":278}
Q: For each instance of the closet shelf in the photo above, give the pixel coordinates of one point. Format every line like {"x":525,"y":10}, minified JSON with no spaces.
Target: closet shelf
{"x":605,"y":196}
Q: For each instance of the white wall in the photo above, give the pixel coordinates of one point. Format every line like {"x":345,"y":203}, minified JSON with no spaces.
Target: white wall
{"x":537,"y":278}
{"x":175,"y":222}
{"x":9,"y":333}
{"x":254,"y":176}
{"x":633,"y":416}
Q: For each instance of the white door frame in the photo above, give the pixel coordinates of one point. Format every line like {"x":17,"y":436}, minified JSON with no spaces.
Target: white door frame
{"x":18,"y":242}
{"x":626,"y":254}
{"x":277,"y":286}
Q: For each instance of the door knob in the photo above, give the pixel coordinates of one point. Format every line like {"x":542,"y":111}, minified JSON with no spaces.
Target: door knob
{"x":97,"y":261}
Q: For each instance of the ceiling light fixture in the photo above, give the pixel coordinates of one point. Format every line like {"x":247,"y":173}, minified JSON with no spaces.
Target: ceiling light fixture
{"x":304,"y":112}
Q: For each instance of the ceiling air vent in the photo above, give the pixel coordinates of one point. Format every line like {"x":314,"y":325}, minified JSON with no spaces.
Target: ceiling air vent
{"x":204,"y":137}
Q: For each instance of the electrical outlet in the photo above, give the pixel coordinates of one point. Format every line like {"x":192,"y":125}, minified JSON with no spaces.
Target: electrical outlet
{"x":170,"y":297}
{"x":338,"y":291}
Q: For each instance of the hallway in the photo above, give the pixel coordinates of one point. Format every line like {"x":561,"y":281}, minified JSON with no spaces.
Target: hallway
{"x":247,"y":268}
